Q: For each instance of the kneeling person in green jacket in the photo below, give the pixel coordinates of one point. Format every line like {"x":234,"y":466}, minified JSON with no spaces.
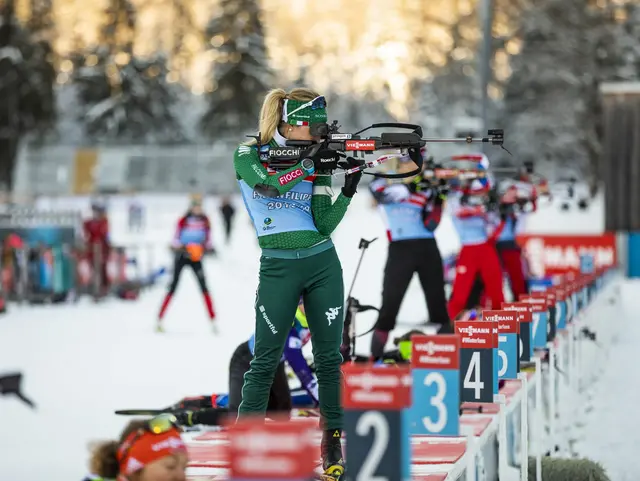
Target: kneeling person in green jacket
{"x":294,"y":214}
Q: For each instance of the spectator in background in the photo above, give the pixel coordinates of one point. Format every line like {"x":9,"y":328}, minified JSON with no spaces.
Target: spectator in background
{"x":136,"y":215}
{"x":228,"y":211}
{"x":96,"y":236}
{"x":10,"y":265}
{"x":192,"y":239}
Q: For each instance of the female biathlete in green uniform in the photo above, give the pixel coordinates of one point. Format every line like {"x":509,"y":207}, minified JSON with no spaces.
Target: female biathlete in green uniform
{"x":294,"y":215}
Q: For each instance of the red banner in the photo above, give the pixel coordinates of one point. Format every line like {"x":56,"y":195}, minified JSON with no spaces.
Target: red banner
{"x":376,"y":387}
{"x":273,"y":450}
{"x":549,"y":255}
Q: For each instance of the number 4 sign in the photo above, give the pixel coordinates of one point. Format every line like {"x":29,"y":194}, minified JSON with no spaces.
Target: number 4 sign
{"x":435,"y":407}
{"x":477,"y":342}
{"x":374,"y":398}
{"x":507,"y":321}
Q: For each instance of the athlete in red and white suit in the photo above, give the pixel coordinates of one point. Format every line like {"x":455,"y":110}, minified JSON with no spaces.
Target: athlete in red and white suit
{"x":518,"y":199}
{"x":478,"y":256}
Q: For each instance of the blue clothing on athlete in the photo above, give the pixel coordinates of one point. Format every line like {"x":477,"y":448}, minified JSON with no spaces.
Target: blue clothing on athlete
{"x":298,"y":336}
{"x":404,"y":211}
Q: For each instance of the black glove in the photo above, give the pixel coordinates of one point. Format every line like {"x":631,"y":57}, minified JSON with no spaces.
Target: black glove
{"x":439,"y":196}
{"x":206,"y":417}
{"x":505,"y":210}
{"x":323,"y":158}
{"x":418,"y":184}
{"x":351,"y":180}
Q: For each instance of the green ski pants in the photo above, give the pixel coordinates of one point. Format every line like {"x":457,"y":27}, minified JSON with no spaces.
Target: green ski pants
{"x":318,"y":278}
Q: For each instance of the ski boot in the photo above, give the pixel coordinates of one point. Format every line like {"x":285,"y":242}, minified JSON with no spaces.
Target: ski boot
{"x":332,"y":459}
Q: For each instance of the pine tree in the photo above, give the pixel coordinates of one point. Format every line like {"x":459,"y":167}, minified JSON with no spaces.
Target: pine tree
{"x":628,"y":42}
{"x":123,"y":96}
{"x":451,"y":92}
{"x":26,"y":88}
{"x":550,"y":96}
{"x":240,"y":75}
{"x":41,"y":19}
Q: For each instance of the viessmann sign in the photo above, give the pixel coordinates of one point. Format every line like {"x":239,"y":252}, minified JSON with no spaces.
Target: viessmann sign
{"x":549,"y":255}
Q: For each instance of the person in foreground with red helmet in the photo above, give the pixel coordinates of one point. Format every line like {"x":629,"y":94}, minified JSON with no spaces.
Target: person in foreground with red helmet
{"x":148,"y":450}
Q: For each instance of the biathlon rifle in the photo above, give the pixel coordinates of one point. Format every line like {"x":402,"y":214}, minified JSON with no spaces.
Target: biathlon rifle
{"x":352,"y":145}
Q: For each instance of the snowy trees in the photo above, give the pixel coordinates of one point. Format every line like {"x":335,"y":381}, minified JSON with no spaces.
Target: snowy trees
{"x":240,"y":75}
{"x":549,"y":96}
{"x":628,"y":43}
{"x":551,"y":99}
{"x":126,"y":98}
{"x":449,"y":97}
{"x":26,"y":88}
{"x":123,"y":96}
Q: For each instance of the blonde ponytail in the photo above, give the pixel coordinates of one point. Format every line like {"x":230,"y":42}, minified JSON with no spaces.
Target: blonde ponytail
{"x":271,"y":111}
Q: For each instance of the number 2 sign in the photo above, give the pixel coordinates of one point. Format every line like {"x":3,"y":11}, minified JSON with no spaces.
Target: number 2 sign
{"x":477,"y":342}
{"x":435,"y":369}
{"x":374,"y":398}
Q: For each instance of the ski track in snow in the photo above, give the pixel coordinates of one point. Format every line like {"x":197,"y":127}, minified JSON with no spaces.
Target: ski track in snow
{"x":611,"y":434}
{"x":82,"y":362}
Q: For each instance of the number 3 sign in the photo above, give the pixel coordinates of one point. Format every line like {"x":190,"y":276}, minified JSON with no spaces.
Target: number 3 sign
{"x":379,"y":443}
{"x":477,"y":342}
{"x":435,"y":407}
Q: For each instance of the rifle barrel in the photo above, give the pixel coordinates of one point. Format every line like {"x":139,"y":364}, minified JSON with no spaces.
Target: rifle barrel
{"x":466,"y":140}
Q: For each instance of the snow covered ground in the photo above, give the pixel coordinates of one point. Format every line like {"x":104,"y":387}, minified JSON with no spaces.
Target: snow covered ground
{"x":82,"y":362}
{"x":612,"y":432}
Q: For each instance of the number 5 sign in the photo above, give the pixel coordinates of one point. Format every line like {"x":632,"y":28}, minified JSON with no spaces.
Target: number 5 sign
{"x":477,"y":342}
{"x":507,"y":322}
{"x":435,"y":407}
{"x":379,"y":443}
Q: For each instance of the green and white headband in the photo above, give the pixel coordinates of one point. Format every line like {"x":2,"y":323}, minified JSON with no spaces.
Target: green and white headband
{"x":296,"y":112}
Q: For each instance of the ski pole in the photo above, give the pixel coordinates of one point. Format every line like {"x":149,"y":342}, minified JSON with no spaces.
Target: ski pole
{"x":363,"y":245}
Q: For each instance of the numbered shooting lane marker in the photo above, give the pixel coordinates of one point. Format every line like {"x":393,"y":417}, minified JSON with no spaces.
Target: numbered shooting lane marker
{"x":507,"y":322}
{"x":435,"y":398}
{"x":271,"y":451}
{"x":539,"y":320}
{"x":561,"y":307}
{"x":496,"y":357}
{"x":586,"y":281}
{"x":570,"y":293}
{"x":477,"y":342}
{"x":525,"y":334}
{"x":378,"y":441}
{"x":550,"y":296}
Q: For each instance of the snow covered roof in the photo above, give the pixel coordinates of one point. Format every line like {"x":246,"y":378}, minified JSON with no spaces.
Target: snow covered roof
{"x":620,"y":88}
